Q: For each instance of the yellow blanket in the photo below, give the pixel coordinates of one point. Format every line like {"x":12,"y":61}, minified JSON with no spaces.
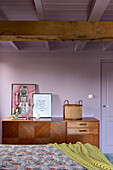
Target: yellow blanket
{"x":86,"y":155}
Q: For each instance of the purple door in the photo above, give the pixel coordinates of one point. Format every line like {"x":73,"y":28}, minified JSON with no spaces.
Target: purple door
{"x":107,"y":107}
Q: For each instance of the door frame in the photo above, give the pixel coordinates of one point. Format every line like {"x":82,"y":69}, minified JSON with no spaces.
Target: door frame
{"x":101,"y":62}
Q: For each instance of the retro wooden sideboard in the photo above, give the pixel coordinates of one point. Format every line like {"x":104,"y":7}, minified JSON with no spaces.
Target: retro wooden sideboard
{"x":52,"y":130}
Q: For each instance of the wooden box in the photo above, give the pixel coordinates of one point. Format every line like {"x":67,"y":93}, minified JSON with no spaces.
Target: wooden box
{"x":73,"y":111}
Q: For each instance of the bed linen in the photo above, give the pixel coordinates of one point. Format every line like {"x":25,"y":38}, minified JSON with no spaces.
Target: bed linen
{"x":86,"y":155}
{"x":36,"y":157}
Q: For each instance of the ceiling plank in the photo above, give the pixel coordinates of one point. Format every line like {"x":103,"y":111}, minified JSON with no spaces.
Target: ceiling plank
{"x":95,"y":11}
{"x":14,"y":45}
{"x":39,"y":9}
{"x":2,"y":16}
{"x":108,"y":47}
{"x":46,"y":45}
{"x":56,"y":31}
{"x":80,"y":45}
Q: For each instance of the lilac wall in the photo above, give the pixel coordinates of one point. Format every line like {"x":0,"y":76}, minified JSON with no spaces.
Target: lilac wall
{"x":69,"y":76}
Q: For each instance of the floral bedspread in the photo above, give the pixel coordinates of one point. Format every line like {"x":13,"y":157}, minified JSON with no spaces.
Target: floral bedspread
{"x":36,"y":157}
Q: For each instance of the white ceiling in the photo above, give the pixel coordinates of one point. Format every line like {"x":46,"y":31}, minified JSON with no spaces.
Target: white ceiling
{"x":56,"y":10}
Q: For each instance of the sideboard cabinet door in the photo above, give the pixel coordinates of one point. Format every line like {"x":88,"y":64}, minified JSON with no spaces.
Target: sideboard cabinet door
{"x":9,"y":132}
{"x":58,"y":132}
{"x":26,"y":132}
{"x":42,"y":132}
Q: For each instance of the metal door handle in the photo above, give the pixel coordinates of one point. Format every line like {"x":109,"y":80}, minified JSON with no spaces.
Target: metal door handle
{"x":105,"y":106}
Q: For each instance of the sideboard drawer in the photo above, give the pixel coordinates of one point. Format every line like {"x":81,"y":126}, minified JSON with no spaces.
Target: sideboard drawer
{"x":72,"y":131}
{"x":82,"y":124}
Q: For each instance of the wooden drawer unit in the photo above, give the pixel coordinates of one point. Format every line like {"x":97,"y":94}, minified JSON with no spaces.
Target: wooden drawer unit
{"x":82,"y":128}
{"x":83,"y":131}
{"x":50,"y":131}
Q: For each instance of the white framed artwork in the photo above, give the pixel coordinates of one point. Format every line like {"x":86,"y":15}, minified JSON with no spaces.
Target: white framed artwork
{"x":42,"y":105}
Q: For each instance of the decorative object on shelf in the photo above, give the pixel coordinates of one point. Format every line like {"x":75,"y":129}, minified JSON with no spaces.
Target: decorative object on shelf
{"x":73,"y":111}
{"x":37,"y":115}
{"x":11,"y":117}
{"x":42,"y":105}
{"x":22,"y":97}
{"x":16,"y":113}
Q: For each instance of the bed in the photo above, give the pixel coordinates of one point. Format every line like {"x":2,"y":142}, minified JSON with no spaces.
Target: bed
{"x":37,"y":157}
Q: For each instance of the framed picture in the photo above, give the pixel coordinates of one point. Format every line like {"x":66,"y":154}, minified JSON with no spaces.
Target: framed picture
{"x":42,"y":104}
{"x":22,"y":97}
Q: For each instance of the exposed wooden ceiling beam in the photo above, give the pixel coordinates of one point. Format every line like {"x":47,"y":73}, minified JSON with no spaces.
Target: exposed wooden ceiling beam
{"x":39,"y":9}
{"x":14,"y":45}
{"x":56,"y":31}
{"x":95,"y":11}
